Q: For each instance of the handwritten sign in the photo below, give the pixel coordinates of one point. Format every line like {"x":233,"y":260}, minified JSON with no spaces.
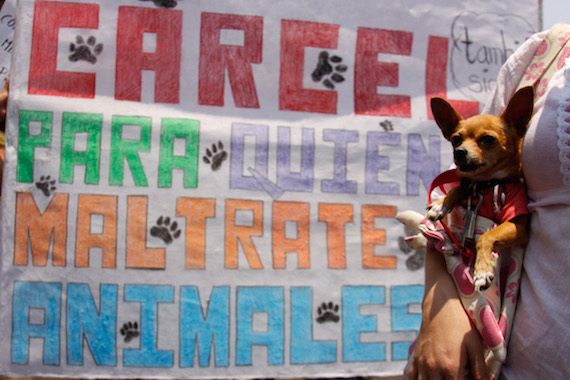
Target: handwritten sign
{"x":7,"y":27}
{"x":207,"y":188}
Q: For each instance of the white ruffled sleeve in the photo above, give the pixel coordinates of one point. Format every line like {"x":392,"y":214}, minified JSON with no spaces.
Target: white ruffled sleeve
{"x":510,"y":75}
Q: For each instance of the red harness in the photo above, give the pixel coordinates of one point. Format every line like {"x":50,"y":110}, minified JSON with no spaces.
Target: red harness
{"x":445,"y":178}
{"x":496,"y":189}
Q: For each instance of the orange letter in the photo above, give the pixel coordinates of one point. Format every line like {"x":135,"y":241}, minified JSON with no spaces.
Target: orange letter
{"x":106,"y":206}
{"x":243,"y":233}
{"x":196,"y":211}
{"x":138,"y":255}
{"x":291,"y":212}
{"x":336,"y":216}
{"x":372,"y":237}
{"x":36,"y":230}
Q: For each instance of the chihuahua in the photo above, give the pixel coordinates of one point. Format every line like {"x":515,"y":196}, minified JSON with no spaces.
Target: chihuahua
{"x":487,"y":152}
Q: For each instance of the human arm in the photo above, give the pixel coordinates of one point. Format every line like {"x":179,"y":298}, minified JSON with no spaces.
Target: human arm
{"x":447,"y":343}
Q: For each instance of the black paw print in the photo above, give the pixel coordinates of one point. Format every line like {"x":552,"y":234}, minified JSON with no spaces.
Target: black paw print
{"x":387,"y":125}
{"x":164,"y":3}
{"x":416,"y":260}
{"x":215,"y":158}
{"x":328,"y":312}
{"x":327,"y":66}
{"x":130,"y":330}
{"x":83,"y":52}
{"x":46,"y":185}
{"x":165,"y":230}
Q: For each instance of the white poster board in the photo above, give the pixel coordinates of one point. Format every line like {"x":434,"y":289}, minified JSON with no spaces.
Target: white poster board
{"x":207,"y":188}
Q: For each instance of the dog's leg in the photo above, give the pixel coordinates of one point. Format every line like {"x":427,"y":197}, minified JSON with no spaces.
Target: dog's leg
{"x":505,"y":235}
{"x":484,"y":272}
{"x":438,"y":209}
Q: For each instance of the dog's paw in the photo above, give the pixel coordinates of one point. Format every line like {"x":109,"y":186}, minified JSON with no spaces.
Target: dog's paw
{"x":482,"y":280}
{"x":485,"y":264}
{"x":436,"y":211}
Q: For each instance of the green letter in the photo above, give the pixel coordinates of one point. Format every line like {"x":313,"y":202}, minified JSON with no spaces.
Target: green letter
{"x":179,"y":129}
{"x":28,"y":142}
{"x":128,"y":149}
{"x":74,"y":124}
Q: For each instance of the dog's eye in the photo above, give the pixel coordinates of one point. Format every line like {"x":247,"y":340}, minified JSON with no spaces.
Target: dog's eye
{"x":487,"y":140}
{"x":456,"y":141}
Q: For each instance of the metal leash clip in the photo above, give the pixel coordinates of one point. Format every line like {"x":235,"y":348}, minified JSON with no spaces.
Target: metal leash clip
{"x":470,"y":217}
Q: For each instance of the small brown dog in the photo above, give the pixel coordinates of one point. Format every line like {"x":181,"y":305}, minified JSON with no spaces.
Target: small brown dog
{"x":486,"y":150}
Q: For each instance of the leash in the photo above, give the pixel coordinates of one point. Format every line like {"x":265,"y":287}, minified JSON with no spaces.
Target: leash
{"x":467,"y":246}
{"x":471,"y":211}
{"x":460,"y":246}
{"x":446,"y":178}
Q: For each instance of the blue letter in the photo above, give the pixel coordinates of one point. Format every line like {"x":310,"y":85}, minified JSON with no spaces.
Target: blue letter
{"x":402,"y":320}
{"x":286,"y":179}
{"x":420,"y":164}
{"x":251,"y":300}
{"x":339,"y":184}
{"x":214,"y":327}
{"x":353,"y":324}
{"x":375,"y":162}
{"x":149,"y":296}
{"x":304,"y":350}
{"x":261,"y":134}
{"x":99,"y":328}
{"x":44,"y":297}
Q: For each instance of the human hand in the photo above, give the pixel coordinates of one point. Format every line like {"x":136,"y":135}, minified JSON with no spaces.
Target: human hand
{"x":448,"y":344}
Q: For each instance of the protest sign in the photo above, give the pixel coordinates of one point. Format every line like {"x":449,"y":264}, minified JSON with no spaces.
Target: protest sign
{"x":208,"y":188}
{"x":7,"y":26}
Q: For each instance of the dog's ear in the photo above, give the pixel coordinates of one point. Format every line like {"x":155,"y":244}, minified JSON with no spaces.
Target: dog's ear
{"x":519,"y":110}
{"x":445,"y":116}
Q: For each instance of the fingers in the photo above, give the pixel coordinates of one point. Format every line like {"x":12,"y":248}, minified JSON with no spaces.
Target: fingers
{"x":426,"y":372}
{"x":479,"y":370}
{"x":412,"y":374}
{"x":477,"y":364}
{"x":471,"y":365}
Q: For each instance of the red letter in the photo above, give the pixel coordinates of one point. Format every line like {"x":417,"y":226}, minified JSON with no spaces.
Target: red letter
{"x":369,"y":73}
{"x":216,"y":57}
{"x":44,"y":78}
{"x":436,"y":83}
{"x":295,"y":36}
{"x":133,"y":23}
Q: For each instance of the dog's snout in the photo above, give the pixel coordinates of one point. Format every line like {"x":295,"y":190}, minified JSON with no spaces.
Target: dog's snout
{"x":460,"y":155}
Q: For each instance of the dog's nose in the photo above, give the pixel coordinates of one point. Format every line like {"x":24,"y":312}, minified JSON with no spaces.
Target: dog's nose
{"x":460,"y":155}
